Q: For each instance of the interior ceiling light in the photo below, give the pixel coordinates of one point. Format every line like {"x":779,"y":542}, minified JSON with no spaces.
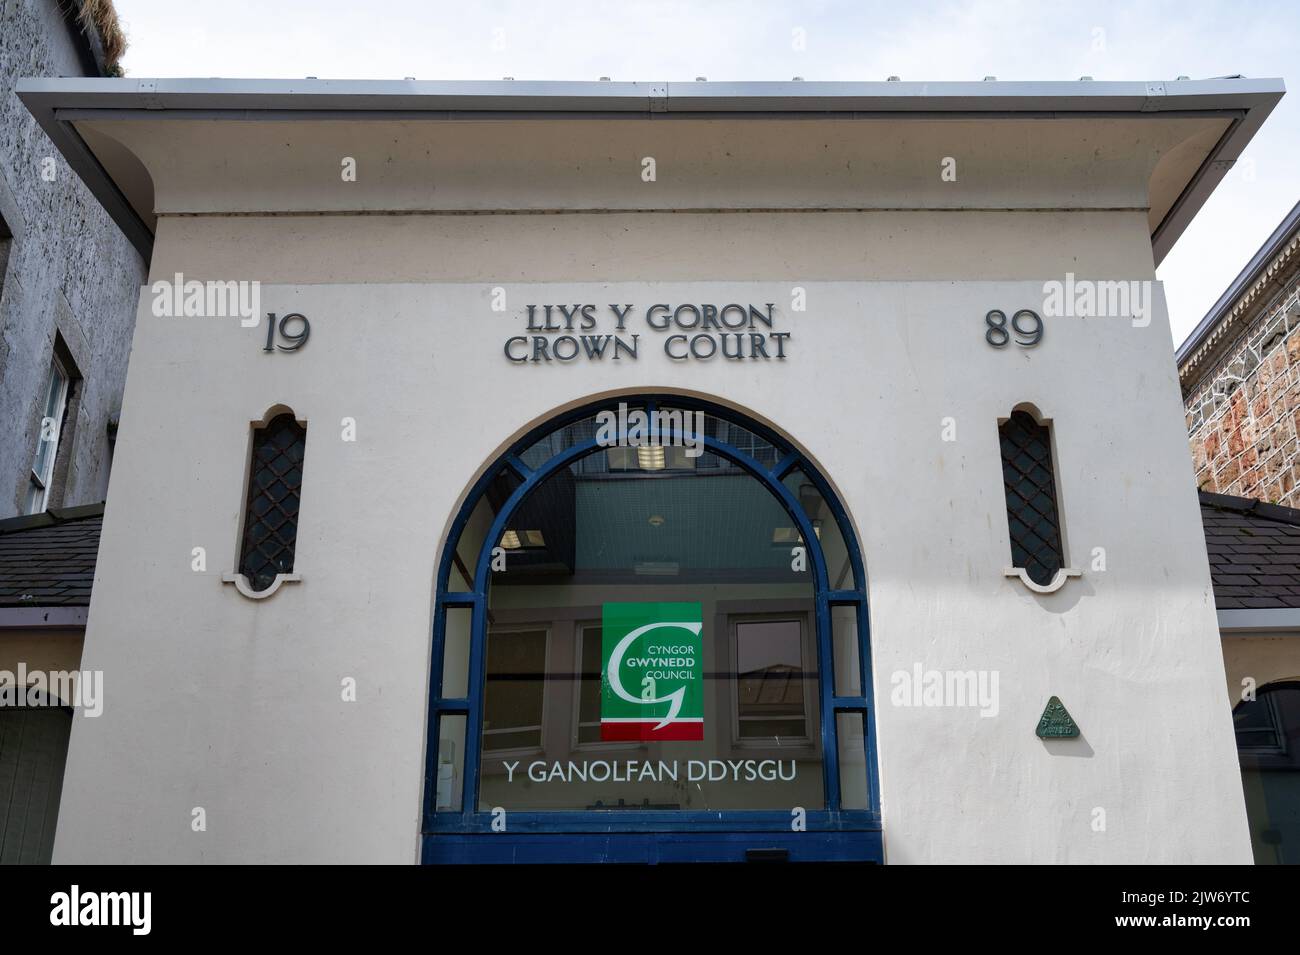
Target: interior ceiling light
{"x":791,"y":535}
{"x":513,"y":540}
{"x":656,"y":520}
{"x":650,"y":457}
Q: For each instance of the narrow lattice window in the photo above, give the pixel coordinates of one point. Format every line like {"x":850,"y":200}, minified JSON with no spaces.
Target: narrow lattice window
{"x":1030,"y":482}
{"x":271,"y":515}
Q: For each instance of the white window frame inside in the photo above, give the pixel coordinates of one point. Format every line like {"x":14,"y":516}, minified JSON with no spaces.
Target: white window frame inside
{"x":807,"y":650}
{"x":42,"y":471}
{"x":545,"y":629}
{"x":591,"y":620}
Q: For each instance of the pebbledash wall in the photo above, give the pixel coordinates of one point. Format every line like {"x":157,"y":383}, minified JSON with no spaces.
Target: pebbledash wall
{"x":71,"y":279}
{"x":761,"y":193}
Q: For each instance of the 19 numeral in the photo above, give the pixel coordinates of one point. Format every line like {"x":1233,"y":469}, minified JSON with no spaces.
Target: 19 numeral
{"x":296,"y":339}
{"x":1026,"y":337}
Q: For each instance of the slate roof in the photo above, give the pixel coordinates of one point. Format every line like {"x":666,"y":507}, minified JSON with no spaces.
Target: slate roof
{"x":48,"y":560}
{"x":1254,"y":552}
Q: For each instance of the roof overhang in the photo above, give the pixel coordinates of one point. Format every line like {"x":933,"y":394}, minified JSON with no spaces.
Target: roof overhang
{"x":59,"y":104}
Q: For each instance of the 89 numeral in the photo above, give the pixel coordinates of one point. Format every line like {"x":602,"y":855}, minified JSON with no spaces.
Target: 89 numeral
{"x":296,"y":339}
{"x":1028,"y":336}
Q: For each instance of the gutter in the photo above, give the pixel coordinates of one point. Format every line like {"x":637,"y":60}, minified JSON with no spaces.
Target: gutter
{"x":43,"y":618}
{"x":1280,"y":622}
{"x":56,"y":102}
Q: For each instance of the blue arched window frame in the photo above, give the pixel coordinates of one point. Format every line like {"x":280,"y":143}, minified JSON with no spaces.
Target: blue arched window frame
{"x":467,"y":834}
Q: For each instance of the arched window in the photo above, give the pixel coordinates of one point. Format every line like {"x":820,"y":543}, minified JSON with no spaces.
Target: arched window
{"x":1268,"y":746}
{"x":1029,"y":480}
{"x":271,"y":511}
{"x":649,"y":632}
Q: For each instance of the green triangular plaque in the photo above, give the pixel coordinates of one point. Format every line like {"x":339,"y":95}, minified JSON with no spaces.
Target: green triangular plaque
{"x":1056,"y":722}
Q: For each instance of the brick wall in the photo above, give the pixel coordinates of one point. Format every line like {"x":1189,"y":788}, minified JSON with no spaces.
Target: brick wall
{"x":1243,"y":405}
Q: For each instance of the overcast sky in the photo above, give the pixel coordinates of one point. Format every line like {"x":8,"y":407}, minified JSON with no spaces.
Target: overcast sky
{"x":752,"y":40}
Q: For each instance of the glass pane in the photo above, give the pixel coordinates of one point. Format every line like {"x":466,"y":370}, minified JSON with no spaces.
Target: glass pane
{"x":513,"y":698}
{"x":455,"y":652}
{"x":839,"y":569}
{"x":451,"y":762}
{"x":769,"y":663}
{"x":853,"y":761}
{"x":688,"y":635}
{"x":561,"y":439}
{"x":623,"y":413}
{"x":846,"y":647}
{"x":1257,"y":725}
{"x":1268,"y":741}
{"x":457,"y":580}
{"x":744,"y":440}
{"x":47,"y":437}
{"x":271,"y":518}
{"x":589,"y":686}
{"x":1030,"y":487}
{"x":470,"y":546}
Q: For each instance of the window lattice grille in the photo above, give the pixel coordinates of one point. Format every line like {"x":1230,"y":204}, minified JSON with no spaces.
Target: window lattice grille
{"x":274,"y":486}
{"x":1030,"y":483}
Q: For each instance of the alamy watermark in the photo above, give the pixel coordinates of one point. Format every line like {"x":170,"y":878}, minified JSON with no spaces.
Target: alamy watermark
{"x":655,"y":428}
{"x":127,"y":909}
{"x":82,"y":689}
{"x":946,"y":688}
{"x":194,"y":299}
{"x":1086,"y":298}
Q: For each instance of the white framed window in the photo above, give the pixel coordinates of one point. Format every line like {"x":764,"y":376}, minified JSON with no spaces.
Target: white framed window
{"x":587,"y":692}
{"x":774,"y":662}
{"x":515,"y":688}
{"x":587,"y":711}
{"x":47,"y":440}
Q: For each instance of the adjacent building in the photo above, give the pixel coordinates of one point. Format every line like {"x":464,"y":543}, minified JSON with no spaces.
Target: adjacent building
{"x":1254,"y":551}
{"x":69,"y":276}
{"x":1240,"y":376}
{"x":69,"y":283}
{"x":47,"y":567}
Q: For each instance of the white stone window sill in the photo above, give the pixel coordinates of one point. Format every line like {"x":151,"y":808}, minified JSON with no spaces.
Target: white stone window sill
{"x":1051,"y":587}
{"x":241,"y":584}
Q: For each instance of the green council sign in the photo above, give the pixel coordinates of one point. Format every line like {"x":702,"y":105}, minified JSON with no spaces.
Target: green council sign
{"x":652,"y":677}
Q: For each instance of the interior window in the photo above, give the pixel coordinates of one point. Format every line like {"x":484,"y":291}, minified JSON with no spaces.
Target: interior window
{"x":771,"y":677}
{"x":516,"y":689}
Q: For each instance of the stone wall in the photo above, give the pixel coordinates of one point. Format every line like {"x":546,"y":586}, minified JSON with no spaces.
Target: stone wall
{"x":1242,"y":410}
{"x":70,"y":269}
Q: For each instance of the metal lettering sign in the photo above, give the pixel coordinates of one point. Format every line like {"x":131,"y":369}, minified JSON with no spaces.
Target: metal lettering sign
{"x":705,"y":332}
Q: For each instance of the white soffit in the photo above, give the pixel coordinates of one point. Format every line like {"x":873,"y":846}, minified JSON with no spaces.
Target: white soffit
{"x":1182,"y":180}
